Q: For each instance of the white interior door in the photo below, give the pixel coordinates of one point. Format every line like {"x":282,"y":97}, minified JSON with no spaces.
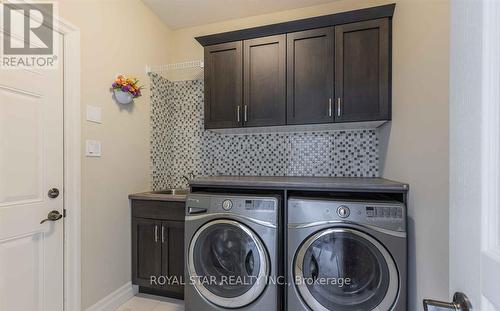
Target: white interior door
{"x":475,"y":152}
{"x":31,"y":163}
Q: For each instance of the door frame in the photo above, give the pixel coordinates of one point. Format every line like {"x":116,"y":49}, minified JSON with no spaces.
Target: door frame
{"x":490,"y":155}
{"x":474,"y":152}
{"x":72,"y":164}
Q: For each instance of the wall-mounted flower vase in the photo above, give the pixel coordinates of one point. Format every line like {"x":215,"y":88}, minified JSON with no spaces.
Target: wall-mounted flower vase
{"x":126,"y":89}
{"x":122,"y":97}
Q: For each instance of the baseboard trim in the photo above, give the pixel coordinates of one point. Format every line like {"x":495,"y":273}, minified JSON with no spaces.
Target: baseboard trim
{"x":114,"y":300}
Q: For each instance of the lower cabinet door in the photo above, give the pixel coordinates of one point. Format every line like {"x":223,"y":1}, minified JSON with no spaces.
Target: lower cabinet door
{"x":146,"y":252}
{"x":172,"y":237}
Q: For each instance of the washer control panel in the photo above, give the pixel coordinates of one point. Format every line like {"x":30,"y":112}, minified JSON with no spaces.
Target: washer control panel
{"x":390,"y":215}
{"x":262,"y":207}
{"x":244,"y":204}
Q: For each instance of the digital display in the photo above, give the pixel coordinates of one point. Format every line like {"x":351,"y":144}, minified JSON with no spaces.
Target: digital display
{"x":260,"y":205}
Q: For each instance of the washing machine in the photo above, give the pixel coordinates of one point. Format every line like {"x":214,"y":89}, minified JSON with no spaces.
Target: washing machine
{"x":231,"y":252}
{"x":346,"y":255}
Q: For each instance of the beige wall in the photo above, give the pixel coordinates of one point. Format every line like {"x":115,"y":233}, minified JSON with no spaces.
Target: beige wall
{"x":117,"y":36}
{"x":414,"y":147}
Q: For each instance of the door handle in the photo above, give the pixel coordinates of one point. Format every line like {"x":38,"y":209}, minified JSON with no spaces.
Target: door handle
{"x":329,"y":107}
{"x":162,"y":234}
{"x":52,"y":216}
{"x":156,"y":233}
{"x":245,"y":113}
{"x":196,"y":210}
{"x":339,"y":107}
{"x":238,"y":113}
{"x":460,"y":303}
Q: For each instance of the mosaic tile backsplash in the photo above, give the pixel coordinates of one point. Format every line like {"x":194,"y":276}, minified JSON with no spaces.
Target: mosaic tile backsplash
{"x":180,"y":145}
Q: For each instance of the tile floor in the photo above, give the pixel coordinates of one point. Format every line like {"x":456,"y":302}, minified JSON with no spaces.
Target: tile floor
{"x":143,"y":302}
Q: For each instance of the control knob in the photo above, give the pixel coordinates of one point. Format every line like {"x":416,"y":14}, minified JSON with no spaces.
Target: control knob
{"x":343,"y":211}
{"x":227,"y":205}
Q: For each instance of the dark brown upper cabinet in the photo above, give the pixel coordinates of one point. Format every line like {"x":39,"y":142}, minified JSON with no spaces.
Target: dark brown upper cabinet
{"x":362,"y":64}
{"x":264,"y":85}
{"x":310,"y":76}
{"x":327,"y":69}
{"x":223,"y":85}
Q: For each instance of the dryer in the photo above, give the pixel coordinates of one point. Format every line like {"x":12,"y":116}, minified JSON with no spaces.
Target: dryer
{"x":346,"y":255}
{"x":231,"y":252}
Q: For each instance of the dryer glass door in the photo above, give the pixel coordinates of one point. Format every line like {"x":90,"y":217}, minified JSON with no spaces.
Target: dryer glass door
{"x":228,"y":263}
{"x":345,"y":269}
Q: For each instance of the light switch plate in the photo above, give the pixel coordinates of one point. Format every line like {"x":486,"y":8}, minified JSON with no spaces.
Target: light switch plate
{"x":94,"y":114}
{"x":93,"y":148}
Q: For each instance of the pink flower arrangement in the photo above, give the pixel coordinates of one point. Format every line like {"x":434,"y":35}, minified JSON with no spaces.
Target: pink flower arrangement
{"x":129,"y":85}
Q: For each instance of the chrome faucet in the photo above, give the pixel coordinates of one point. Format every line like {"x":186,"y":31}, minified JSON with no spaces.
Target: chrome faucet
{"x":189,"y":177}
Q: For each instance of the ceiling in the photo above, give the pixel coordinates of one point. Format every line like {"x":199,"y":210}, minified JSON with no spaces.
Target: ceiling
{"x":186,"y":13}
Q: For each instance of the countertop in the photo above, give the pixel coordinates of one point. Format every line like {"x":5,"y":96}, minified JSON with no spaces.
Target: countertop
{"x":152,"y":196}
{"x":302,"y":183}
{"x":282,"y":182}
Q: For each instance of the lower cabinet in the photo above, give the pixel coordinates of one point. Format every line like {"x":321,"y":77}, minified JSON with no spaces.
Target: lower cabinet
{"x":158,"y":247}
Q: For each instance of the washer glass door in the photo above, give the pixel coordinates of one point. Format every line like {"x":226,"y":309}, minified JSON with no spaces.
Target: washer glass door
{"x":345,"y":269}
{"x":228,"y":263}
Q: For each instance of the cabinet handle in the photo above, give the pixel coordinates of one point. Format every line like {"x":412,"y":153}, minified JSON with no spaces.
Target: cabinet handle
{"x":156,"y":233}
{"x":245,"y":113}
{"x":238,"y":113}
{"x":329,"y":107}
{"x":162,"y":234}
{"x":339,"y":107}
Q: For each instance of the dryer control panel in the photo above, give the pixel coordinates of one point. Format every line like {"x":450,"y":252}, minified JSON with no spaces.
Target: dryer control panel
{"x":388,"y":215}
{"x":263,"y":208}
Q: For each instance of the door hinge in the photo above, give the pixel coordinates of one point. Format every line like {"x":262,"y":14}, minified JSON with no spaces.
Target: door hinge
{"x":64,"y":213}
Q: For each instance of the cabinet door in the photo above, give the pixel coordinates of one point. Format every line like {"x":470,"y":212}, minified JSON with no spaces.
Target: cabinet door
{"x":172,"y":237}
{"x":362,"y":71}
{"x":310,"y":69}
{"x":223,"y":85}
{"x":146,"y":251}
{"x":264,"y":81}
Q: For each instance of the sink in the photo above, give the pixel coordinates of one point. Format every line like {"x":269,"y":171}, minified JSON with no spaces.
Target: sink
{"x":172,"y":191}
